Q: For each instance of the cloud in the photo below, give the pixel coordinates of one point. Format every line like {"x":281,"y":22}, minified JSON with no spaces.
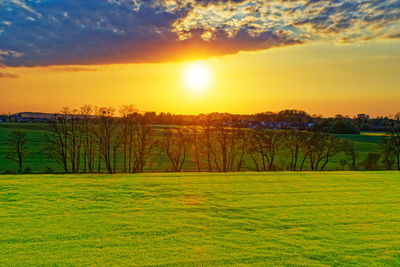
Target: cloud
{"x":72,"y":32}
{"x":74,"y":69}
{"x":9,"y":75}
{"x":393,"y":36}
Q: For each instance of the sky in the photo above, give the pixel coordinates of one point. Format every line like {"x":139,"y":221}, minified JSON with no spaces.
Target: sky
{"x":324,"y":57}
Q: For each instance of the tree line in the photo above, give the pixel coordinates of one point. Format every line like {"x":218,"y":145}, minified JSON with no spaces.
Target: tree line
{"x":95,"y":139}
{"x":285,"y":119}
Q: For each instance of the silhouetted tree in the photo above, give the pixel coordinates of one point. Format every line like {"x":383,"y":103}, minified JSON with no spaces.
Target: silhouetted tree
{"x":226,"y":144}
{"x":88,"y":136}
{"x":350,"y":151}
{"x":18,"y":148}
{"x":108,"y":139}
{"x":74,"y":128}
{"x":57,"y":140}
{"x":143,"y":141}
{"x":129,"y":114}
{"x":195,"y":142}
{"x":243,"y":140}
{"x":388,"y":156}
{"x":294,"y":141}
{"x":320,"y":148}
{"x":371,"y":162}
{"x":394,"y":133}
{"x":264,"y":146}
{"x":175,"y":143}
{"x":205,"y":141}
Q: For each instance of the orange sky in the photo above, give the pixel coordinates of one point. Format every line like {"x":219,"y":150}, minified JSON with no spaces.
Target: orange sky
{"x":320,"y":78}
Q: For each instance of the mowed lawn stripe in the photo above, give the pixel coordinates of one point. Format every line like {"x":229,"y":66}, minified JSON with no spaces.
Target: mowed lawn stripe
{"x":207,"y":219}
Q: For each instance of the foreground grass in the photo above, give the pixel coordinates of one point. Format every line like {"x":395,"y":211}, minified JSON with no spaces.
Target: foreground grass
{"x":337,"y":218}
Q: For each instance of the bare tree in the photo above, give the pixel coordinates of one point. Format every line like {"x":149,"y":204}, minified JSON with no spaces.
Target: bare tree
{"x":294,"y":141}
{"x":264,"y":146}
{"x":175,"y":146}
{"x":244,"y":139}
{"x":88,"y":137}
{"x":350,"y":151}
{"x":205,"y":141}
{"x":305,"y":149}
{"x":143,"y":142}
{"x":74,"y":128}
{"x":107,"y":137}
{"x":129,"y":114}
{"x":333,"y":147}
{"x":136,"y":139}
{"x":395,"y":141}
{"x":387,"y":152}
{"x":18,"y":149}
{"x":321,"y":148}
{"x":224,"y":143}
{"x":57,"y":141}
{"x":195,"y":133}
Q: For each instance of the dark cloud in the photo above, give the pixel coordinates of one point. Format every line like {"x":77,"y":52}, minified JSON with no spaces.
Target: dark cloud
{"x":76,"y":32}
{"x":393,"y":36}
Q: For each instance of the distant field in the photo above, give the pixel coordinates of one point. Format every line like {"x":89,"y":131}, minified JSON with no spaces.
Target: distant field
{"x":264,"y":219}
{"x":364,"y":143}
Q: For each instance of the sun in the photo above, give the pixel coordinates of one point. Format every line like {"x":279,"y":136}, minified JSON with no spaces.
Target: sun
{"x":196,"y":77}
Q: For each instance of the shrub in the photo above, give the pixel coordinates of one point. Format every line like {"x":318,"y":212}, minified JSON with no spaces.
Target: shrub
{"x":28,"y":169}
{"x":10,"y":171}
{"x":371,"y":162}
{"x":344,"y":127}
{"x":48,"y":170}
{"x":342,"y":164}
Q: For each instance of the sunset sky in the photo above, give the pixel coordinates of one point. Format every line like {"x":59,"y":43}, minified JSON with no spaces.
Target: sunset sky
{"x":324,"y":57}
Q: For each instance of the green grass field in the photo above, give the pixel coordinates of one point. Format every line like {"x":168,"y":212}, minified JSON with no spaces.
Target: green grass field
{"x":298,"y":219}
{"x":38,"y":161}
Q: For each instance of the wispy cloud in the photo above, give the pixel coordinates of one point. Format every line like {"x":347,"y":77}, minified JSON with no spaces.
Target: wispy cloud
{"x":74,"y":69}
{"x":64,"y":32}
{"x":9,"y":75}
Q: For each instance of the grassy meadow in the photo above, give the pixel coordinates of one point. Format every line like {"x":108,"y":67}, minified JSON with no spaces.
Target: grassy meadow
{"x":189,"y":219}
{"x":40,"y":163}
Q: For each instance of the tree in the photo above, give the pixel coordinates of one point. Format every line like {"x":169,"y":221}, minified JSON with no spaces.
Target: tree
{"x":226,"y":143}
{"x":75,"y":134}
{"x":349,"y":150}
{"x":57,"y":141}
{"x":136,"y":138}
{"x":294,"y":141}
{"x":394,"y":134}
{"x":306,"y":144}
{"x":175,"y":146}
{"x":18,"y":149}
{"x":88,"y":136}
{"x":108,"y":138}
{"x":333,"y":147}
{"x":142,"y":143}
{"x":264,"y":146}
{"x":244,"y":139}
{"x":371,"y":162}
{"x":388,"y":157}
{"x":195,"y":137}
{"x":205,"y":140}
{"x":128,"y":114}
{"x":321,"y":148}
{"x":344,"y":127}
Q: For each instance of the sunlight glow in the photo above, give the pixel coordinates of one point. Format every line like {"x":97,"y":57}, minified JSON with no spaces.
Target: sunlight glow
{"x":196,"y":77}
